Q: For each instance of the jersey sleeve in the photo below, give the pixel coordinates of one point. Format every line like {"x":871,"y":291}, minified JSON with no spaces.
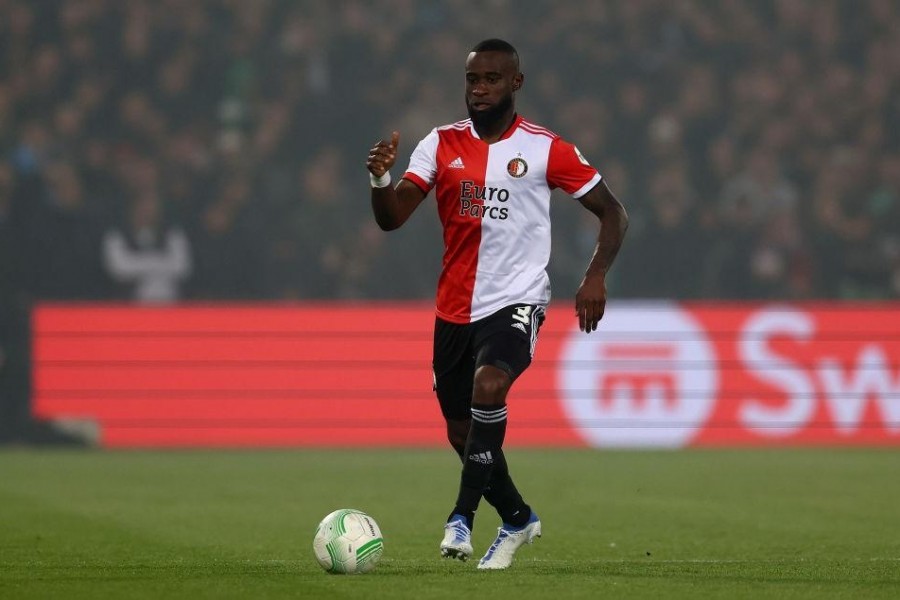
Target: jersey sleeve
{"x":569,"y":170}
{"x":423,"y":163}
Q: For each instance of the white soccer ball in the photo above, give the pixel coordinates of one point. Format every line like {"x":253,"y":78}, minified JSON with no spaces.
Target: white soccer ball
{"x":348,"y":541}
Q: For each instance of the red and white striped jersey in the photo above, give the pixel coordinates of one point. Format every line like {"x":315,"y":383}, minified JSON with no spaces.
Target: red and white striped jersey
{"x":494,"y":204}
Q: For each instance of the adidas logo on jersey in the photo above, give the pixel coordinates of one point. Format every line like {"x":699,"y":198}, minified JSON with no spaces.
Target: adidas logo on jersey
{"x":457,"y":163}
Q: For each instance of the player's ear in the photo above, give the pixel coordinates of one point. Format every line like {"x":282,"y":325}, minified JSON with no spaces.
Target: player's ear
{"x":518,"y":81}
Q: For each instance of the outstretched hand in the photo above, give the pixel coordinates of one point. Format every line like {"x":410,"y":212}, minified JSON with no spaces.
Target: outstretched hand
{"x":590,"y":302}
{"x":383,"y":155}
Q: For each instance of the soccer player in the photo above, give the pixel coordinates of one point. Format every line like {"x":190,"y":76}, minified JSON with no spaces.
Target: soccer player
{"x":492,"y":175}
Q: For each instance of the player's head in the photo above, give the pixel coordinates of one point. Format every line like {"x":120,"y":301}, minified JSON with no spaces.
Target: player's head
{"x":492,"y":79}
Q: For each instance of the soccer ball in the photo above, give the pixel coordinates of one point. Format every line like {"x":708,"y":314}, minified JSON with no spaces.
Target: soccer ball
{"x":348,"y":541}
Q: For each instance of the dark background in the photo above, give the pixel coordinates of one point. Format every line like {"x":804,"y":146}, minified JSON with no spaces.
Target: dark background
{"x":755,"y":143}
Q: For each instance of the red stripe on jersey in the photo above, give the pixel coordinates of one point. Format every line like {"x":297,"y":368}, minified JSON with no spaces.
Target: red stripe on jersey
{"x":462,"y":233}
{"x":420,"y":183}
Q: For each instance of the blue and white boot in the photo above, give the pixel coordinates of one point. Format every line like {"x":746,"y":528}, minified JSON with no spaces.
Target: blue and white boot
{"x":509,"y":539}
{"x":457,"y":542}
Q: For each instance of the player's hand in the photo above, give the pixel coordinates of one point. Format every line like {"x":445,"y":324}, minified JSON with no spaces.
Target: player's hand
{"x":590,"y":302}
{"x":383,"y":156}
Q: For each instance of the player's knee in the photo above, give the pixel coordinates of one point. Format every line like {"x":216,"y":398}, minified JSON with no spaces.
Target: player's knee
{"x":458,"y":443}
{"x":457,"y":433}
{"x":491,"y":385}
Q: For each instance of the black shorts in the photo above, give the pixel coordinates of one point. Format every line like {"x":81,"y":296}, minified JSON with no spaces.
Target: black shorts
{"x":505,"y":339}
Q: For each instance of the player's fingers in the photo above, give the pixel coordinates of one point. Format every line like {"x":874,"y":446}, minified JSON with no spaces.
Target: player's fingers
{"x":599,"y":309}
{"x":395,"y":139}
{"x":382,"y":151}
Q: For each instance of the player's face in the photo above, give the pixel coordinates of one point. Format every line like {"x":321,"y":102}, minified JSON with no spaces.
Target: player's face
{"x":491,"y":79}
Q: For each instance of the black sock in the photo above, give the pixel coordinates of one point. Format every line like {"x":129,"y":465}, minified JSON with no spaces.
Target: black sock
{"x":482,"y":447}
{"x":503,"y":495}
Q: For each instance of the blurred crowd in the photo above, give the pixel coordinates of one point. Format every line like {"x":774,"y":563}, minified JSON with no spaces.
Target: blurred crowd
{"x":160,"y":150}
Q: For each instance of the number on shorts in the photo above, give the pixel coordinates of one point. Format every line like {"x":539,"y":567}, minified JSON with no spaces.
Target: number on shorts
{"x":522,"y":314}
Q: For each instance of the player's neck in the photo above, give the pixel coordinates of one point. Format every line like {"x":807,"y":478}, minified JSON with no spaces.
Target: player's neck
{"x":494,"y":132}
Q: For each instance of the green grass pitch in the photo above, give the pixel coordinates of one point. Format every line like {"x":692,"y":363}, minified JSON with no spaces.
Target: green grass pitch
{"x":783,"y":524}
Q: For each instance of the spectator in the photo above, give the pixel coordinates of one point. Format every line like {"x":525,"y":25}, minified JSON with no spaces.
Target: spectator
{"x":674,"y":238}
{"x":60,"y":243}
{"x":229,"y":101}
{"x":149,"y":256}
{"x":229,"y":243}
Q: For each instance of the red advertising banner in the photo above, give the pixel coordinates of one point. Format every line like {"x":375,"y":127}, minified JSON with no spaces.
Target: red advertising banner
{"x":655,"y":374}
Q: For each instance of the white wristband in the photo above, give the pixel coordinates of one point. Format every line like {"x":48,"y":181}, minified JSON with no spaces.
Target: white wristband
{"x":380,"y":182}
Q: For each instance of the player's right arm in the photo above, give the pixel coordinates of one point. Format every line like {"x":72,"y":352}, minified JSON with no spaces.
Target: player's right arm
{"x":391,"y":205}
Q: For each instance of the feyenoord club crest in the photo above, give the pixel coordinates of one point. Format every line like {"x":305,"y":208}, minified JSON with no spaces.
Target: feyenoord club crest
{"x":517,"y":167}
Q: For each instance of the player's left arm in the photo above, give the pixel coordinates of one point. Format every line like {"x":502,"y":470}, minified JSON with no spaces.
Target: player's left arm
{"x":590,"y":300}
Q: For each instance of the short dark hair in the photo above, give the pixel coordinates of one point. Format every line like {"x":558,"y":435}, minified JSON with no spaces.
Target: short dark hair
{"x":497,"y":45}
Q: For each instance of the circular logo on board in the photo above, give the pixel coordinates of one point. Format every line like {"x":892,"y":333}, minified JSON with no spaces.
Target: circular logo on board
{"x":647,"y":377}
{"x":517,"y":167}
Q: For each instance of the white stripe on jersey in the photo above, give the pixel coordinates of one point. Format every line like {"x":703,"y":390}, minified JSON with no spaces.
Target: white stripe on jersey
{"x":514,"y":252}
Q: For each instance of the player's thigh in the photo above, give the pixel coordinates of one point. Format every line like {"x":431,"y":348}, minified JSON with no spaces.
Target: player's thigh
{"x":507,"y":339}
{"x":453,"y":365}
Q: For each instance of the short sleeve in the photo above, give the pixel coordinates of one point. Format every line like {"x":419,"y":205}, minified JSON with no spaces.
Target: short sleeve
{"x":423,"y":162}
{"x":569,"y":170}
